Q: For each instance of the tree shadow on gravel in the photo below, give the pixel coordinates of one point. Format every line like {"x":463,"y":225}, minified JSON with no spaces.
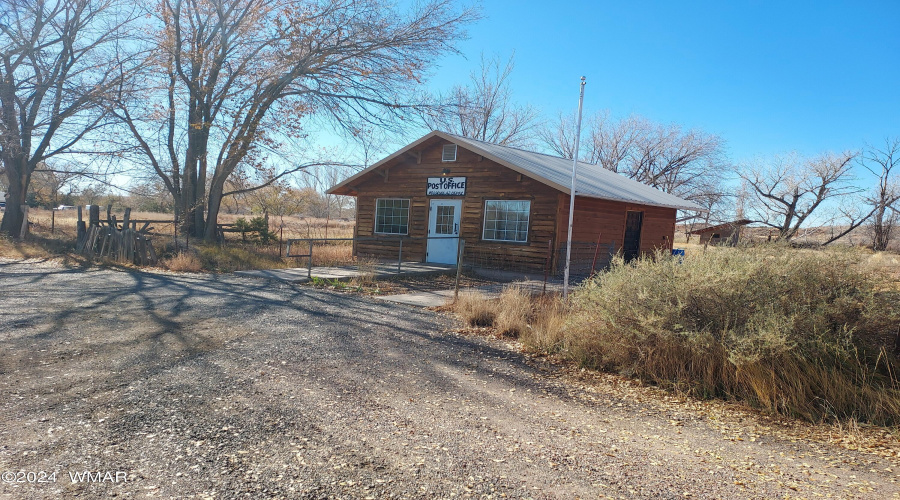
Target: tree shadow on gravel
{"x":231,"y":361}
{"x":164,"y":311}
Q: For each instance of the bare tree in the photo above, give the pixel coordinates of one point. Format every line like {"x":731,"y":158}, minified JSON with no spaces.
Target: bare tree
{"x":786,"y":192}
{"x":54,"y":76}
{"x":49,"y":181}
{"x":882,"y":162}
{"x":684,"y":163}
{"x":609,"y":143}
{"x":484,"y":109}
{"x":234,"y":81}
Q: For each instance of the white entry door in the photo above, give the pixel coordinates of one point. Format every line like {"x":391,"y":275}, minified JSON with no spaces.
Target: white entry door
{"x":443,"y":231}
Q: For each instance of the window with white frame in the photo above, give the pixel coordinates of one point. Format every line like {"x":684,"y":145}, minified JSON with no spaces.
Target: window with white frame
{"x":449,"y":152}
{"x":392,"y":216}
{"x":506,"y":220}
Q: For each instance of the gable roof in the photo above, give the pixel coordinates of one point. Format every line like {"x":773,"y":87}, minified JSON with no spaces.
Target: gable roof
{"x":593,"y":181}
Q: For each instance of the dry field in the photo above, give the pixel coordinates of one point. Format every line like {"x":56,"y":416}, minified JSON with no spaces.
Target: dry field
{"x":52,"y":235}
{"x":294,"y":227}
{"x":859,"y":237}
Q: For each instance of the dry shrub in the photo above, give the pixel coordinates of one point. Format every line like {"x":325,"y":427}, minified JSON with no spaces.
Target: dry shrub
{"x":475,"y":309}
{"x":798,"y":332}
{"x":183,"y":262}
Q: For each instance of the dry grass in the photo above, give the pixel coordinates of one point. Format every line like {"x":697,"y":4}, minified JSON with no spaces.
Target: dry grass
{"x":302,"y":227}
{"x":234,"y":255}
{"x":797,"y":332}
{"x":32,"y":248}
{"x":293,"y":227}
{"x":366,"y":276}
{"x":475,"y":309}
{"x":184,"y":262}
{"x":546,"y":332}
{"x":538,"y":321}
{"x":514,"y":312}
{"x":42,"y":244}
{"x":331,"y":254}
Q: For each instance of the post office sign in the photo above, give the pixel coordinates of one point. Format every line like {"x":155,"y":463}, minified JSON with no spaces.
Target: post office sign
{"x":446,"y":186}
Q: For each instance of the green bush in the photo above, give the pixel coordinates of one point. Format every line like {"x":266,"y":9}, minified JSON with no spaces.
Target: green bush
{"x":799,"y":332}
{"x":258,"y":227}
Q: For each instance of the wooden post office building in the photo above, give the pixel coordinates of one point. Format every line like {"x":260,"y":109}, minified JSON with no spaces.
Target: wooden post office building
{"x":507,"y":204}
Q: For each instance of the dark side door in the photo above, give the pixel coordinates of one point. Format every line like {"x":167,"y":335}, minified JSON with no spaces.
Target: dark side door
{"x":631,"y":248}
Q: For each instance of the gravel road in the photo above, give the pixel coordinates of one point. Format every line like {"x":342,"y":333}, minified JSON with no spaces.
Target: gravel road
{"x":188,"y":386}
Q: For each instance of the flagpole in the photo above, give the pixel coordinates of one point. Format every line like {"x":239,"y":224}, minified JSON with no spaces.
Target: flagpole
{"x":572,"y":191}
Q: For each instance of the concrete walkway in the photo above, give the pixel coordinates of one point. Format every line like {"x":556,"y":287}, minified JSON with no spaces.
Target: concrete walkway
{"x":346,"y":273}
{"x":424,"y":298}
{"x":438,"y":298}
{"x":429,"y":298}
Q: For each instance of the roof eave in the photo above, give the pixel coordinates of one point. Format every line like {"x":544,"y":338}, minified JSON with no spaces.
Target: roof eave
{"x":639,"y":202}
{"x":342,"y":188}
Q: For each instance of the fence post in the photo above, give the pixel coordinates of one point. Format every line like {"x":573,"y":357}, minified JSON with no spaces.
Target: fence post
{"x":400,"y":255}
{"x":596,"y":250}
{"x":80,"y":228}
{"x":309,"y":265}
{"x":547,"y":265}
{"x":93,"y":215}
{"x":460,"y":250}
{"x":53,"y":221}
{"x":24,"y":230}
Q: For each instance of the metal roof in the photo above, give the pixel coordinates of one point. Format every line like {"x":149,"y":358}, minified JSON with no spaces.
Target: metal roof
{"x":726,"y":225}
{"x":592,"y":181}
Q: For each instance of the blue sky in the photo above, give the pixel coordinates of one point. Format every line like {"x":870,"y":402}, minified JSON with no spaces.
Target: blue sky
{"x":769,"y":77}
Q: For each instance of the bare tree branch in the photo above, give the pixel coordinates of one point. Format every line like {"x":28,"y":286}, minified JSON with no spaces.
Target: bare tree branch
{"x":484,"y":110}
{"x":787,"y":191}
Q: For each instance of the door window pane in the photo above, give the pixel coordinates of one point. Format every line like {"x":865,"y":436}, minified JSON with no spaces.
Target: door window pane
{"x":444,"y":219}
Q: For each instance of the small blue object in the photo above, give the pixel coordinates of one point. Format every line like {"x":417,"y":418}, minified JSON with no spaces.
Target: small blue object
{"x":677,"y":252}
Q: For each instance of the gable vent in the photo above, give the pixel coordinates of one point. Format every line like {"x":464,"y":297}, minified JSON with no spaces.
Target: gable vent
{"x":449,"y":153}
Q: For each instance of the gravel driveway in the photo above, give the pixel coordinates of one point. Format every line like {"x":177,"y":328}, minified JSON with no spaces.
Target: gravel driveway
{"x":191,"y":386}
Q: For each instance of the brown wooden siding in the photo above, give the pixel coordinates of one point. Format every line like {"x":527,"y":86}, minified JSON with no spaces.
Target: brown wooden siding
{"x":606,"y":219}
{"x":406,"y":177}
{"x":485,"y":180}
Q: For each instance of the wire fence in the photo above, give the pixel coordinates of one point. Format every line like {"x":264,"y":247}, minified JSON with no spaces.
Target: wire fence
{"x":483,"y":267}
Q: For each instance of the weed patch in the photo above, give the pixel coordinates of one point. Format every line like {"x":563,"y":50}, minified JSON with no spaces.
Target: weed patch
{"x":475,"y":309}
{"x":803,"y":333}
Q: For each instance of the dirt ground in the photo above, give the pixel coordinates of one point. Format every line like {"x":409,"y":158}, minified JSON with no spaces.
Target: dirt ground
{"x":166,"y":385}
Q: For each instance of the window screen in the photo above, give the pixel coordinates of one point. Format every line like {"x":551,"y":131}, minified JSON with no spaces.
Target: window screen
{"x":391,"y":216}
{"x":506,"y":220}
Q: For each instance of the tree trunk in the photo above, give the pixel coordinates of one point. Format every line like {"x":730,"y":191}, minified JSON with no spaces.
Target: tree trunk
{"x":193,"y":190}
{"x":212,"y":219}
{"x":19,"y":178}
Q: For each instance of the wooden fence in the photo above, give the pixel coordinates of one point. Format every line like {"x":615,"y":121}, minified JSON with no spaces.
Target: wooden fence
{"x":112,"y":239}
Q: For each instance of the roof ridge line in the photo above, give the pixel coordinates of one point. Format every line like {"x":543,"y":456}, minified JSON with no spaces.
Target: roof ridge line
{"x":524,"y":150}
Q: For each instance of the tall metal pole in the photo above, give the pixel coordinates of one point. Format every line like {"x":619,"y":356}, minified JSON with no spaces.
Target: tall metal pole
{"x":572,"y":191}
